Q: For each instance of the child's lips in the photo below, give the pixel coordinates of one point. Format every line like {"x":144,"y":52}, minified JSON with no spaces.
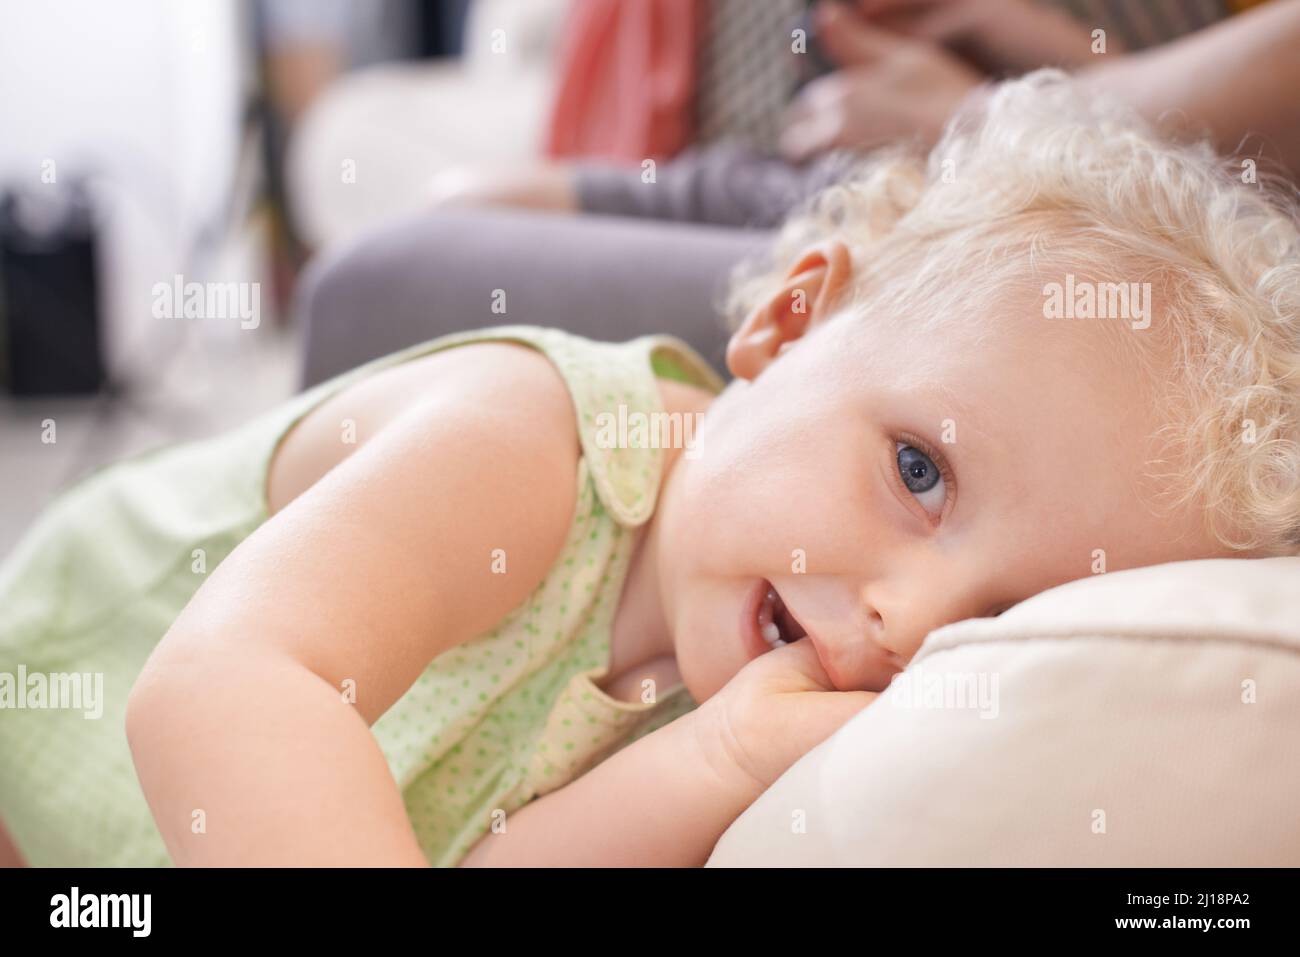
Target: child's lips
{"x":765,"y":620}
{"x":869,"y":668}
{"x":750,"y":627}
{"x":864,"y":666}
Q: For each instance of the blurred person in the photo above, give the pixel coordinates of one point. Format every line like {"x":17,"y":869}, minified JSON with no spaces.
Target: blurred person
{"x":899,"y":70}
{"x":305,"y":45}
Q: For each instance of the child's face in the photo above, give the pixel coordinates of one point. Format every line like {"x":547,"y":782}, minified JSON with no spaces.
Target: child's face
{"x":1041,"y":431}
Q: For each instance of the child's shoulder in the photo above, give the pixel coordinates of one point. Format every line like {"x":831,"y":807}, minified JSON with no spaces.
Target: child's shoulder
{"x":511,"y":394}
{"x":498,"y":394}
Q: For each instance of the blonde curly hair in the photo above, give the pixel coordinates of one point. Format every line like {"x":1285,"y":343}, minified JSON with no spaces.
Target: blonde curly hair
{"x":1037,"y":173}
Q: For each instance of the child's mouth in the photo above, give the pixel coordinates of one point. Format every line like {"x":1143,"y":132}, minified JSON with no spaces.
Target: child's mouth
{"x":776,"y":626}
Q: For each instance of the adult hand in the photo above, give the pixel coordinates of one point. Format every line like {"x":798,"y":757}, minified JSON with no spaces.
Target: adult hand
{"x":893,"y":87}
{"x":998,"y":36}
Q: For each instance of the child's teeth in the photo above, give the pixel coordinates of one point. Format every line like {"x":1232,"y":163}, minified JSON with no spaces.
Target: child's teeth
{"x":772,"y":634}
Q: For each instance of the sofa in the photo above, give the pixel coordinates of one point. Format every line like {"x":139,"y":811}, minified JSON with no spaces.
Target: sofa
{"x":1140,"y":718}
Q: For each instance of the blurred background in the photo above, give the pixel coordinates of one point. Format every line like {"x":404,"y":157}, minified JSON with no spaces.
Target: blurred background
{"x":144,"y":140}
{"x":168,"y":169}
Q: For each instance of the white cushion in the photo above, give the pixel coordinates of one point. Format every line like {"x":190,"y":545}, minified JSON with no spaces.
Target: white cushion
{"x":1141,"y":718}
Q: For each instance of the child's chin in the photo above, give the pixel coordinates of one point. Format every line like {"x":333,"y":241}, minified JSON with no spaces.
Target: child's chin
{"x":702,"y":679}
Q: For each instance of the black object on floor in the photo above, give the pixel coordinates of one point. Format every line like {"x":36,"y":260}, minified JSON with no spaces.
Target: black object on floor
{"x":49,"y":293}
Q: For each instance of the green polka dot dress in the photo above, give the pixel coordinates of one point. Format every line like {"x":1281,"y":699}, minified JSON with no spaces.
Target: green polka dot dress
{"x":487,"y":727}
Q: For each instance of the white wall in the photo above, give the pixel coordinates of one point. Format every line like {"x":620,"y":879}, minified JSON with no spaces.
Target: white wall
{"x":145,"y":93}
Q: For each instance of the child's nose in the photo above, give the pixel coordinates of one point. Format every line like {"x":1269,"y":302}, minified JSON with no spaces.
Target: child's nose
{"x":907,"y":609}
{"x":848,"y":633}
{"x":900,"y":617}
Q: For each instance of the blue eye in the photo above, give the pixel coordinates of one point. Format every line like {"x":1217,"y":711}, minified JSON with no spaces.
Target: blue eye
{"x":922,"y":478}
{"x":918,"y":472}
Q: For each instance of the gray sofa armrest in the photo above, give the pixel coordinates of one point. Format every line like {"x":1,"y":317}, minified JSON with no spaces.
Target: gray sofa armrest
{"x":436,"y":272}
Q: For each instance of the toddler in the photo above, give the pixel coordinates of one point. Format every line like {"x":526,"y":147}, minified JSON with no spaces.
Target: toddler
{"x":438,"y":611}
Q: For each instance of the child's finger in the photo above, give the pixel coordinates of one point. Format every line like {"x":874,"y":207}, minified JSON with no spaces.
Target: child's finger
{"x":798,"y":666}
{"x":831,"y":710}
{"x":844,"y":704}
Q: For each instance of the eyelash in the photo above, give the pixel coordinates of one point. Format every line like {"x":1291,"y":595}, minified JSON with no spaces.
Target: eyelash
{"x":945,"y":472}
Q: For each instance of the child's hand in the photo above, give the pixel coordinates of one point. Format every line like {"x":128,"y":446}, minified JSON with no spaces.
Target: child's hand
{"x":666,"y":798}
{"x":775,"y":710}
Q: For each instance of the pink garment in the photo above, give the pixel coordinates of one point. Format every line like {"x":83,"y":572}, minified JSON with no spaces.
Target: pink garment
{"x":626,"y":80}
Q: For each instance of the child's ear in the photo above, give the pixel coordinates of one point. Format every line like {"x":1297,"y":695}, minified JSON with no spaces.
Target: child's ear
{"x":807,"y":299}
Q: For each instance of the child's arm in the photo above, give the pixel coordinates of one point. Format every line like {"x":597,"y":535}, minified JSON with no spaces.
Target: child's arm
{"x":664,"y":800}
{"x":244,"y":744}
